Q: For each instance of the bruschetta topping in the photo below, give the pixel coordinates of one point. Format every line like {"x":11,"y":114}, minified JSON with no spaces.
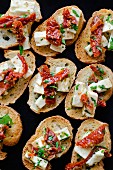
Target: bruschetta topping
{"x":94,"y":138}
{"x":3,"y":128}
{"x":96,"y":36}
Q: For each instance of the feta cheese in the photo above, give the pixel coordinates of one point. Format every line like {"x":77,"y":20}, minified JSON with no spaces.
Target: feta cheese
{"x":107,"y":27}
{"x":38,"y":89}
{"x":39,"y":142}
{"x":83,"y":152}
{"x":17,"y":64}
{"x":28,"y":74}
{"x":71,"y":30}
{"x":67,"y":35}
{"x":104,"y":41}
{"x":93,"y":98}
{"x":37,"y":160}
{"x":110,"y":44}
{"x":63,"y":133}
{"x":59,"y":19}
{"x":97,"y":157}
{"x":40,"y":38}
{"x":101,"y":86}
{"x":4,"y":66}
{"x":64,"y":85}
{"x":89,"y":50}
{"x":39,"y":79}
{"x":76,"y":13}
{"x":58,"y":69}
{"x":79,"y":89}
{"x":59,"y":49}
{"x":26,"y":44}
{"x":40,"y":102}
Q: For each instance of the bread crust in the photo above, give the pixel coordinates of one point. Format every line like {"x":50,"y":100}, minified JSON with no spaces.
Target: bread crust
{"x":54,"y":123}
{"x":53,"y":63}
{"x":12,"y":134}
{"x":81,"y":43}
{"x":92,"y":124}
{"x":82,"y":76}
{"x":19,"y":88}
{"x":45,"y":50}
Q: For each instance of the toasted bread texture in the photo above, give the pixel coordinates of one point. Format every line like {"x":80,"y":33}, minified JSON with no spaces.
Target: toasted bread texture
{"x":12,"y":134}
{"x":84,"y":38}
{"x":45,"y":50}
{"x":82,"y":76}
{"x":92,"y":124}
{"x":54,"y":123}
{"x":53,"y":63}
{"x":20,"y":86}
{"x":7,"y":38}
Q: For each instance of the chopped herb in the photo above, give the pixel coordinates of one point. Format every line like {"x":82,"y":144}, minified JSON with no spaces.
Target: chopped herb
{"x":100,"y":49}
{"x":93,"y":37}
{"x":74,"y":12}
{"x":52,"y":97}
{"x":56,"y":144}
{"x":93,"y":87}
{"x":24,"y":16}
{"x":1,"y":15}
{"x":63,"y":42}
{"x":90,"y":50}
{"x":101,"y":70}
{"x":50,"y":138}
{"x":55,"y":87}
{"x":87,"y":111}
{"x":111,"y":44}
{"x":5,"y":25}
{"x":78,"y":157}
{"x":102,"y":87}
{"x":38,"y":163}
{"x":102,"y":151}
{"x":75,"y":27}
{"x":6,"y":120}
{"x":95,"y":103}
{"x":21,"y":49}
{"x":41,"y":39}
{"x":101,"y":77}
{"x":46,"y":81}
{"x":62,"y":29}
{"x":5,"y":81}
{"x":109,"y":19}
{"x":76,"y":87}
{"x":63,"y":148}
{"x":43,"y":96}
{"x":69,"y":108}
{"x":44,"y":131}
{"x":41,"y":152}
{"x":52,"y":73}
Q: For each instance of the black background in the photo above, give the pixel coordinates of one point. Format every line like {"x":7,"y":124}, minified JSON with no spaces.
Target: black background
{"x":31,"y":120}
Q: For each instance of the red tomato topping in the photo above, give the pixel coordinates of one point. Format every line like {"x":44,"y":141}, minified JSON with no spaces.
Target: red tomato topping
{"x":101,"y":103}
{"x":57,"y":77}
{"x":11,"y":77}
{"x":97,"y":70}
{"x":92,"y":79}
{"x":68,"y":19}
{"x":53,"y":34}
{"x":3,"y":128}
{"x":86,"y":102}
{"x":96,"y":36}
{"x":94,"y":138}
{"x":44,"y":72}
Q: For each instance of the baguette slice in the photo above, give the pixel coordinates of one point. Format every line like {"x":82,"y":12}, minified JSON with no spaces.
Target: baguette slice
{"x":53,"y":63}
{"x":82,"y":76}
{"x":8,"y":39}
{"x":19,"y":88}
{"x":45,"y":50}
{"x":81,"y":43}
{"x":54,"y":123}
{"x":13,"y":134}
{"x":92,"y":124}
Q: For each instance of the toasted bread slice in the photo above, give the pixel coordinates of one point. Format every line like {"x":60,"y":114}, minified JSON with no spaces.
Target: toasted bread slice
{"x":45,"y":50}
{"x":54,"y":123}
{"x":92,"y":124}
{"x":84,"y":38}
{"x":82,"y":76}
{"x":8,"y":39}
{"x":12,"y":134}
{"x":15,"y":92}
{"x":53,"y":63}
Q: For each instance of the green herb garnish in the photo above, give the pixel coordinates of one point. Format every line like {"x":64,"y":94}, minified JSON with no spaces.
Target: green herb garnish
{"x":1,"y":15}
{"x":54,"y":87}
{"x":41,"y":152}
{"x":56,"y":144}
{"x":52,"y":74}
{"x":43,"y":96}
{"x":62,"y":29}
{"x":68,"y":108}
{"x":74,"y":12}
{"x":50,"y":138}
{"x":75,"y":27}
{"x":63,"y":42}
{"x":6,"y":120}
{"x":101,"y":70}
{"x":46,"y":81}
{"x":21,"y":49}
{"x":52,"y":97}
{"x":95,"y":103}
{"x":102,"y":87}
{"x":87,"y":111}
{"x":41,"y":39}
{"x":109,"y":19}
{"x":63,"y":148}
{"x":111,"y":44}
{"x":100,"y":49}
{"x":76,"y":87}
{"x":5,"y":25}
{"x":93,"y":87}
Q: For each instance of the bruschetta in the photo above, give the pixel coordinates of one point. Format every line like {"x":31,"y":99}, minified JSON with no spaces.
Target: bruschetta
{"x":48,"y":88}
{"x":15,"y":74}
{"x":52,"y":139}
{"x":93,"y":87}
{"x":92,"y":145}
{"x":15,"y":25}
{"x":10,"y":128}
{"x":60,"y":30}
{"x":96,"y":38}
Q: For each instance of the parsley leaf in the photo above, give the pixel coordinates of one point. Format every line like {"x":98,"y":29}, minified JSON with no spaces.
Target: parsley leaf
{"x":6,"y":120}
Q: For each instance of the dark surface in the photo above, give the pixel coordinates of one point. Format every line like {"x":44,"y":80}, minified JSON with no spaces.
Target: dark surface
{"x":29,"y":119}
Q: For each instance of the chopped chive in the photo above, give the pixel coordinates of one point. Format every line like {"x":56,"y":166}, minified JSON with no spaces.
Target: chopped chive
{"x":21,"y":49}
{"x":74,"y":12}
